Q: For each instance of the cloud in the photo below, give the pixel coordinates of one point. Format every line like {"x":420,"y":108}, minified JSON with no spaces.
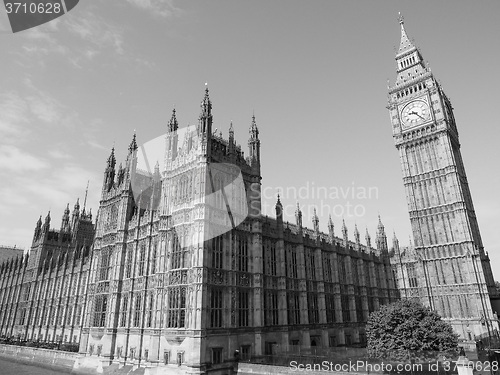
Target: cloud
{"x":15,"y":160}
{"x":42,"y":41}
{"x":45,"y":108}
{"x":95,"y":30}
{"x":13,"y":115}
{"x":59,"y":155}
{"x":162,"y":8}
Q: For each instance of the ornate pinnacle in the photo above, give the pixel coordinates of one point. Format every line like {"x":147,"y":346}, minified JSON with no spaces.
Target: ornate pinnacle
{"x":133,"y":144}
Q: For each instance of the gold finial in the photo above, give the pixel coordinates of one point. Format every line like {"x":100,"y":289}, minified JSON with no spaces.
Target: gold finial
{"x":401,"y":18}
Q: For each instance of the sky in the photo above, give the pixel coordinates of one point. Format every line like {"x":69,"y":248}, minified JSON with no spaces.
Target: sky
{"x":314,"y":73}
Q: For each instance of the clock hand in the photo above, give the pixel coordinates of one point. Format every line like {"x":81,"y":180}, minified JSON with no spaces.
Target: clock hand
{"x":415,"y":113}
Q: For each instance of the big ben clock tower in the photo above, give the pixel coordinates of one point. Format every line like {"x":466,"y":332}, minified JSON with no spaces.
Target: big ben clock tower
{"x":447,"y":269}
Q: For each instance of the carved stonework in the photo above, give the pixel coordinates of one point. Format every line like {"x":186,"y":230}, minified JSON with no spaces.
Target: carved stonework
{"x":218,"y":277}
{"x":243,"y":279}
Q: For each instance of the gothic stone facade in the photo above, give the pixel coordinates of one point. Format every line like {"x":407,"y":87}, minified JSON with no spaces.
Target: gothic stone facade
{"x":43,"y":294}
{"x":187,"y":271}
{"x":448,"y":268}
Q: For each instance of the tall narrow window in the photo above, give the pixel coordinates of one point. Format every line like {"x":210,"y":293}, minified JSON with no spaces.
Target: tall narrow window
{"x":366,"y":266}
{"x":78,"y":315}
{"x":137,"y":310}
{"x":154,"y":254}
{"x":178,"y":253}
{"x":69,"y":315}
{"x":330,"y":308}
{"x":310,"y":264}
{"x":346,"y":311}
{"x":101,"y":303}
{"x":293,"y":308}
{"x":359,"y":307}
{"x":327,"y":268}
{"x":342,"y":272}
{"x":271,"y":312}
{"x":412,"y":276}
{"x":176,"y":307}
{"x":354,"y":270}
{"x":242,"y":247}
{"x":104,"y":265}
{"x":243,"y":308}
{"x":270,"y":258}
{"x":291,"y":260}
{"x":216,"y":308}
{"x":142,"y":259}
{"x":150,"y":310}
{"x":312,"y":308}
{"x":217,"y":246}
{"x":123,"y":312}
{"x":219,"y":198}
{"x":22,"y":316}
{"x":128,"y":267}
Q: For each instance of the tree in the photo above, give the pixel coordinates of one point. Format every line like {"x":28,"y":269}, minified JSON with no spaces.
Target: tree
{"x":407,"y":329}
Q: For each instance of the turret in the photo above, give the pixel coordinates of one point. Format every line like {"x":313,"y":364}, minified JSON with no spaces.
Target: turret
{"x":368,"y":239}
{"x":65,"y":227}
{"x":38,"y":229}
{"x":254,"y":143}
{"x":395,"y":243}
{"x":76,"y":214}
{"x":205,"y":120}
{"x":315,"y":221}
{"x":132,"y":156}
{"x":344,"y":233}
{"x":356,"y":235}
{"x":381,"y":239}
{"x":298,"y":217}
{"x":173,"y":124}
{"x":109,"y":173}
{"x":231,"y":141}
{"x":331,"y":229}
{"x":172,"y":136}
{"x":46,"y":224}
{"x":121,"y":175}
{"x":279,"y":212}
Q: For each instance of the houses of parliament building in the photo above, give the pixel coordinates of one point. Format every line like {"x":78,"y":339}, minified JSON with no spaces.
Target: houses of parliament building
{"x":180,"y":268}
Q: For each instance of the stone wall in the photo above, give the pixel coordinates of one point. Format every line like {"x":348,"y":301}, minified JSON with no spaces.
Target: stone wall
{"x":40,"y":357}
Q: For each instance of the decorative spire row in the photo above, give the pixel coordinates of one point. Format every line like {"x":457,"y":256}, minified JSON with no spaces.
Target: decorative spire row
{"x":380,"y":241}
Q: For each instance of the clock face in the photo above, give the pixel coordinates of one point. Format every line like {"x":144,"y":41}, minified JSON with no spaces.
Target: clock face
{"x":415,"y":113}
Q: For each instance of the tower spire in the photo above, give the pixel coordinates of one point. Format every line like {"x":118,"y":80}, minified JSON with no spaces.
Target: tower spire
{"x":405,"y":44}
{"x":86,"y":193}
{"x":408,"y":58}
